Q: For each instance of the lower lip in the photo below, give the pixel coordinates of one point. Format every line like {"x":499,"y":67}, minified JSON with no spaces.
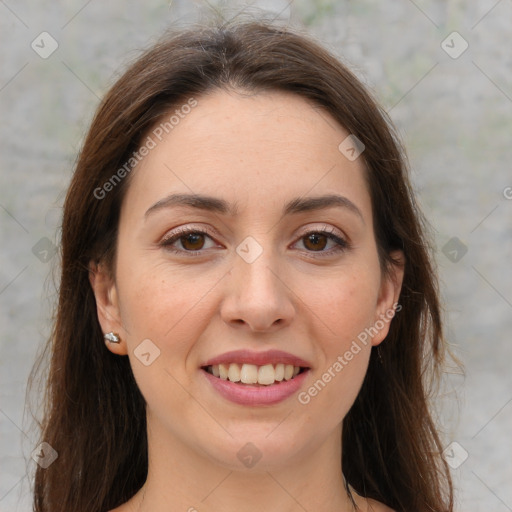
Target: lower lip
{"x":246,"y":394}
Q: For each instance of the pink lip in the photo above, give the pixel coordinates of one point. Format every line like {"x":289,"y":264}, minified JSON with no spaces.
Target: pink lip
{"x":258,"y":358}
{"x":247,"y":394}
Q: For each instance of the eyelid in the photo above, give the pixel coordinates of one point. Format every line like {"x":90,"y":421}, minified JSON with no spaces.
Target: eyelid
{"x":325,"y":228}
{"x":334,"y":234}
{"x":341,"y":241}
{"x":183,"y":230}
{"x":213,"y":233}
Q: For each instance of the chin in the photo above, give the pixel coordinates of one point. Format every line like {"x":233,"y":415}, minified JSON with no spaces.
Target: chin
{"x":256,"y":448}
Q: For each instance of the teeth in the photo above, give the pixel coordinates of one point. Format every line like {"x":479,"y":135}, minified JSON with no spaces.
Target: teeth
{"x":279,"y":372}
{"x":223,"y":371}
{"x":234,"y":373}
{"x":266,"y":374}
{"x":251,"y":374}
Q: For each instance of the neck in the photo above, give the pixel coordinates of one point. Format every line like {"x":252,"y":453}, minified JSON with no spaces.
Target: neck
{"x":187,"y":480}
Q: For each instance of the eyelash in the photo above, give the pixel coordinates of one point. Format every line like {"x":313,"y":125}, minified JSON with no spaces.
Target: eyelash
{"x":342,"y":244}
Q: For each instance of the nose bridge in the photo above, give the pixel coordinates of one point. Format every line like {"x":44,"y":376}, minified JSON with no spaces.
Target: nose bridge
{"x":257,"y":295}
{"x":259,"y":278}
{"x":255,"y":273}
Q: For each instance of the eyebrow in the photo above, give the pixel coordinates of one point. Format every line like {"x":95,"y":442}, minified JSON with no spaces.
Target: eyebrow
{"x":216,"y":205}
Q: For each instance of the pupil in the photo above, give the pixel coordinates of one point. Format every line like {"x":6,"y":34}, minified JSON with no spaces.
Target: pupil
{"x":193,"y":238}
{"x":314,"y":239}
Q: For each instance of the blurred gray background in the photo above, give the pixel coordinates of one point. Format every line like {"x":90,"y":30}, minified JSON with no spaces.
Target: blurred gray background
{"x":443,"y":71}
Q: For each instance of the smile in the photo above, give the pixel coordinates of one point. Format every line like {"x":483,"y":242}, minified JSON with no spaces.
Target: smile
{"x":245,"y":373}
{"x":254,"y":378}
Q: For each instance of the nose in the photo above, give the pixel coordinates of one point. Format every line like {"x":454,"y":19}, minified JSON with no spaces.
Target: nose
{"x":257,"y":297}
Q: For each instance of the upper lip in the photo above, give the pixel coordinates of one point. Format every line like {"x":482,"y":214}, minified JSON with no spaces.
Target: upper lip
{"x":257,"y":358}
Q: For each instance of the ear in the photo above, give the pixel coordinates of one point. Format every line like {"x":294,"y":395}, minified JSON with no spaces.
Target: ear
{"x":387,"y":304}
{"x":107,"y":305}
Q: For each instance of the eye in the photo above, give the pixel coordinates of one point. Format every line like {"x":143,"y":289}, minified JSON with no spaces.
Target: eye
{"x":317,"y":240}
{"x":192,"y":241}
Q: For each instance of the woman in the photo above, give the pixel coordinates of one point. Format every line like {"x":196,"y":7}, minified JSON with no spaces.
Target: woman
{"x":248,"y":314}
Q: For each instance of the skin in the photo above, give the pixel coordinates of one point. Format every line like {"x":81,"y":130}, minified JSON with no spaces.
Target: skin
{"x":259,"y":151}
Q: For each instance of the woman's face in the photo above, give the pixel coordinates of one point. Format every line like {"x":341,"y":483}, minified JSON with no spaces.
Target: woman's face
{"x":267,"y":265}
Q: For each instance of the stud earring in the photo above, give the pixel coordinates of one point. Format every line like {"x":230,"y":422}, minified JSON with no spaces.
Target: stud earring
{"x":112,"y":337}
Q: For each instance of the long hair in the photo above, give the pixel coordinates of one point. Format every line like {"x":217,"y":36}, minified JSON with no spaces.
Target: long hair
{"x":94,"y":412}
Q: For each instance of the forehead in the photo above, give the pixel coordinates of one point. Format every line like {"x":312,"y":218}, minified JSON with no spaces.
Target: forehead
{"x":252,"y":149}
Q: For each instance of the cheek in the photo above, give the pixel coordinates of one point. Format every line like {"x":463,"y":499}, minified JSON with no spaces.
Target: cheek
{"x":171,"y":307}
{"x":345,"y":355}
{"x":346,"y":306}
{"x":151,"y":298}
{"x":168,"y":310}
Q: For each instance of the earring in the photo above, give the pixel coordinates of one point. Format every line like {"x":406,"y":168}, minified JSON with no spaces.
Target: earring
{"x":381,"y":361}
{"x":112,"y":337}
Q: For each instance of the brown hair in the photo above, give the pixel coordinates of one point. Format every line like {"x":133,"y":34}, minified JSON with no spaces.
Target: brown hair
{"x":95,"y":414}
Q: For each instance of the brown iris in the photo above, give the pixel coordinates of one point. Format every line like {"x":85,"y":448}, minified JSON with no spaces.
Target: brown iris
{"x":317,"y":240}
{"x":193,"y":241}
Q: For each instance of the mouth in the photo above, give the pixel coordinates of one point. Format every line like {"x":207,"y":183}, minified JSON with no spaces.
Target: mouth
{"x":253,"y":375}
{"x":251,"y":378}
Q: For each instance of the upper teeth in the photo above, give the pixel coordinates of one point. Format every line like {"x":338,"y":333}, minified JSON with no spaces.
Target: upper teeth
{"x":252,"y":374}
